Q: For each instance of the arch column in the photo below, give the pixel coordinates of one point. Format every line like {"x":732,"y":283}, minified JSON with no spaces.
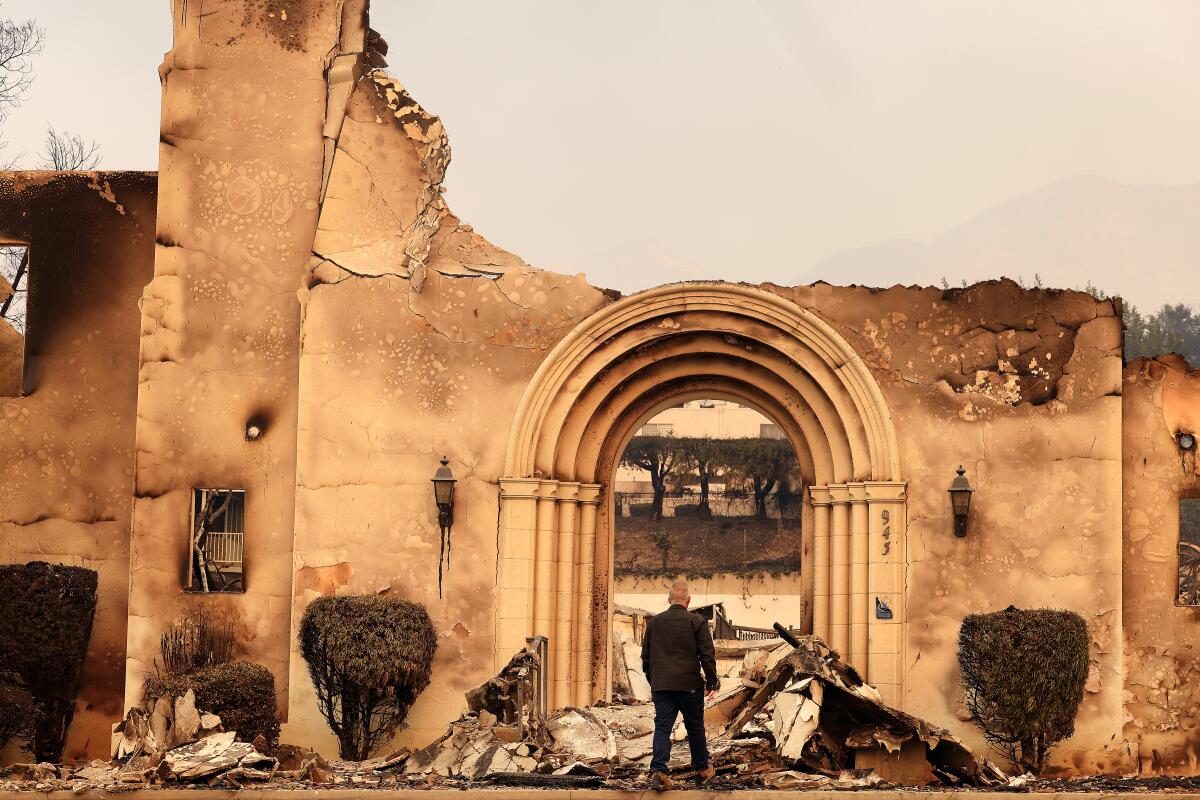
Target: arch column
{"x":887,"y":535}
{"x":612,"y":372}
{"x":821,"y":503}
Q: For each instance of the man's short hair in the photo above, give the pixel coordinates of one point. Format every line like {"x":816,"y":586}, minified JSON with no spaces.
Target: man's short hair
{"x":679,"y":593}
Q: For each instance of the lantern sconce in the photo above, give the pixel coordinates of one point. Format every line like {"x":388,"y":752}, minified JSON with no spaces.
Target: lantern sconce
{"x":443,"y":495}
{"x":960,"y":502}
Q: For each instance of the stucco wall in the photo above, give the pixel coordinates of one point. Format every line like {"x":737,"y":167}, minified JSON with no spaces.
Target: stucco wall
{"x":1022,"y":388}
{"x":241,"y":168}
{"x":1162,"y":640}
{"x":66,"y":447}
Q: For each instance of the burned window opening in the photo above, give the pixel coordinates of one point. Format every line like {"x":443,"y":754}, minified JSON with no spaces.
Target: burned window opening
{"x":1189,"y":553}
{"x":14,"y":284}
{"x":215,"y":560}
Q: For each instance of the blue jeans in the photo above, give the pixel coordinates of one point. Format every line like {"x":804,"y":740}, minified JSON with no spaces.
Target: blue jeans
{"x":667,"y":705}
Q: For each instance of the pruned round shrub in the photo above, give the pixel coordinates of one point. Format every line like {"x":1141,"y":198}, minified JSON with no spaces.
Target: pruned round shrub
{"x":369,"y":657}
{"x":1023,"y":672}
{"x":46,"y":613}
{"x":242,"y":694}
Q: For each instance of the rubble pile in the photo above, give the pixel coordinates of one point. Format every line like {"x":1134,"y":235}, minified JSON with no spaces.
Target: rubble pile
{"x":792,"y":715}
{"x":796,"y":717}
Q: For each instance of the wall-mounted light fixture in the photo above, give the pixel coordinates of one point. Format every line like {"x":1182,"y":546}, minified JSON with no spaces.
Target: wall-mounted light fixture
{"x":960,"y":502}
{"x":1186,"y":441}
{"x":443,"y":495}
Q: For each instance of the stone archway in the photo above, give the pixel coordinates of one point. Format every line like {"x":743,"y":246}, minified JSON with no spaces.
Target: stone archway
{"x":613,"y":372}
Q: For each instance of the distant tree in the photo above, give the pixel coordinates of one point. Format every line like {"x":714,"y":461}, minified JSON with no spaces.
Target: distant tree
{"x":705,"y":457}
{"x":1175,"y":328}
{"x":661,"y":457}
{"x":65,"y":151}
{"x":762,"y":464}
{"x":19,"y":43}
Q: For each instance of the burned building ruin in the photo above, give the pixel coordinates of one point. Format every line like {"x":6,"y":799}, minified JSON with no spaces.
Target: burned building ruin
{"x":237,"y":375}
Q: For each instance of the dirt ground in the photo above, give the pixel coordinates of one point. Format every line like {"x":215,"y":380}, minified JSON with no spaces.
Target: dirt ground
{"x":700,"y":548}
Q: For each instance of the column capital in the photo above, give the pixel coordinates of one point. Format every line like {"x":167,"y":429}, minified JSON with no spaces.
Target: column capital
{"x":568,"y":491}
{"x":519,"y":487}
{"x":858,"y":491}
{"x":547,"y":489}
{"x":819,"y":495}
{"x":839,"y":494}
{"x":589,"y":493}
{"x":883,"y":491}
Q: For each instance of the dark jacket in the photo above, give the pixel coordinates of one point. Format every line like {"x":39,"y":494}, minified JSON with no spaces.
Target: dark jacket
{"x":676,"y":647}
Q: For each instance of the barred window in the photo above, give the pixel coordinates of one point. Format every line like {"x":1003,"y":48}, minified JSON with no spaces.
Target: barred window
{"x":1189,"y":553}
{"x":217,"y":530}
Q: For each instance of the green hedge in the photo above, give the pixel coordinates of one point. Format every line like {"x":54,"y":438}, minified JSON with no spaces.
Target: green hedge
{"x":242,"y":694}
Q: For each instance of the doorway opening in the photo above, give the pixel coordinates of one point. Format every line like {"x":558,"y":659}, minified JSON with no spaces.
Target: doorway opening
{"x":708,"y":491}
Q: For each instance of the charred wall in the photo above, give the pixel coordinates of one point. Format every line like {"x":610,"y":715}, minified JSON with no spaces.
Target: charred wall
{"x":241,"y":167}
{"x":1022,"y":388}
{"x":419,"y":338}
{"x":1162,"y":644}
{"x":66,"y":446}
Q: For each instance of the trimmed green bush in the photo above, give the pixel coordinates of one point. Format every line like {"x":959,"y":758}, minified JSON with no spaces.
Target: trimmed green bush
{"x":1023,"y":672}
{"x":242,"y":694}
{"x":369,"y":657}
{"x":46,"y":613}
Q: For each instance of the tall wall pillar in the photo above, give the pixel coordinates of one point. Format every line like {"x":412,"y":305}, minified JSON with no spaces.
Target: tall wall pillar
{"x":544,"y":559}
{"x":858,"y":578}
{"x":515,"y":604}
{"x":562,"y":642}
{"x":819,"y":497}
{"x":839,"y":573}
{"x":887,"y":521}
{"x":585,"y":580}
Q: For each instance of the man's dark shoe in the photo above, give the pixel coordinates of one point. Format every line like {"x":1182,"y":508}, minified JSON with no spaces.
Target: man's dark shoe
{"x":706,"y":774}
{"x":660,"y":781}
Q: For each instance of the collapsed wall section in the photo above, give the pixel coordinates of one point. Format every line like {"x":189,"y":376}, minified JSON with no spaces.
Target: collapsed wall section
{"x":1162,"y":646}
{"x":66,"y":445}
{"x":418,"y":339}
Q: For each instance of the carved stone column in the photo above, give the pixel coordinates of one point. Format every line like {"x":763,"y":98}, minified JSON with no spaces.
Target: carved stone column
{"x":819,"y":496}
{"x":515,"y":600}
{"x":839,"y":583}
{"x":858,"y":579}
{"x":887,"y":524}
{"x":585,"y":580}
{"x":562,"y":643}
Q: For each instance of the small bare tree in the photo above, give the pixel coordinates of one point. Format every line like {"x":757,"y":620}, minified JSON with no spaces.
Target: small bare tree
{"x":66,"y":151}
{"x":14,"y":271}
{"x":19,"y":42}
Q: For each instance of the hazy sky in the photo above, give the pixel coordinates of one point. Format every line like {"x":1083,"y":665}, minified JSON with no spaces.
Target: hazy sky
{"x":642,"y":142}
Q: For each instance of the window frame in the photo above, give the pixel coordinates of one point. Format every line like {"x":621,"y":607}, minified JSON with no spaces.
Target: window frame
{"x":198,"y":497}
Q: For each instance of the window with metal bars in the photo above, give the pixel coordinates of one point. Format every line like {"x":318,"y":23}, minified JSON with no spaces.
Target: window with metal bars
{"x":218,"y":529}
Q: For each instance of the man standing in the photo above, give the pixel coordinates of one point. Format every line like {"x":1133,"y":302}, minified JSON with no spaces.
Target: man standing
{"x":677,"y":646}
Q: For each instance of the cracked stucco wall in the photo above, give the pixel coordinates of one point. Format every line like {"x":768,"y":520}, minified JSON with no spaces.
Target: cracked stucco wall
{"x":1162,"y":640}
{"x":418,"y":339}
{"x":66,"y":447}
{"x":1022,"y":388}
{"x":242,"y":157}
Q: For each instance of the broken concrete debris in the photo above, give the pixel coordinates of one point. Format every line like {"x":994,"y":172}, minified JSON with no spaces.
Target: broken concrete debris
{"x":798,"y":717}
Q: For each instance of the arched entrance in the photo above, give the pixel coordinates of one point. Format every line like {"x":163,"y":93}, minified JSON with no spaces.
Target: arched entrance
{"x":639,"y":355}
